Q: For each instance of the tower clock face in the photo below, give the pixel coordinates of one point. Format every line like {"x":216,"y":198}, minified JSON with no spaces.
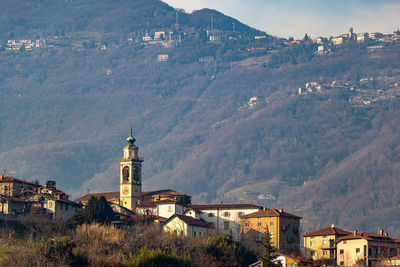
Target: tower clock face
{"x":136,"y":173}
{"x":125,"y":173}
{"x":125,"y":190}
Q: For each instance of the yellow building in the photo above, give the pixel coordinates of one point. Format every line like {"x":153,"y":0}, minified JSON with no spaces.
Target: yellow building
{"x":366,"y":248}
{"x":320,"y":244}
{"x":282,"y":226}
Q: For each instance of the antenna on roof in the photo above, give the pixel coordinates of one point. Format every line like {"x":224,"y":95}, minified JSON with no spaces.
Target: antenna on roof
{"x":177,"y":21}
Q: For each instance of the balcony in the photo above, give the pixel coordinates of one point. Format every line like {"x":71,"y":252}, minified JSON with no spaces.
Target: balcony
{"x":329,"y":245}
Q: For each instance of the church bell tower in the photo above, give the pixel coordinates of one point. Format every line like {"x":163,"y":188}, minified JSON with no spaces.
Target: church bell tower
{"x":130,"y":175}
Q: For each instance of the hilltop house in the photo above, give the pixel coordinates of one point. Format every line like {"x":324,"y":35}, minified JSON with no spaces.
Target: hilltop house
{"x":187,"y":225}
{"x":20,"y":197}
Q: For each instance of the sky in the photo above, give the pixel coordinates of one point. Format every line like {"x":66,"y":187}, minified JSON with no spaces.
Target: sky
{"x":285,"y":18}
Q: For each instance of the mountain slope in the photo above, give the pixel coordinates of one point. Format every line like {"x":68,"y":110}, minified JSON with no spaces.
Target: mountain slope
{"x":330,"y":156}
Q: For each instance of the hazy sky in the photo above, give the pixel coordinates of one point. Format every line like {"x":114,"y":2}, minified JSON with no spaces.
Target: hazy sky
{"x":286,"y":18}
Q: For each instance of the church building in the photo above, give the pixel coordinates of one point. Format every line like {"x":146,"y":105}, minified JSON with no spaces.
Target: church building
{"x":130,"y":195}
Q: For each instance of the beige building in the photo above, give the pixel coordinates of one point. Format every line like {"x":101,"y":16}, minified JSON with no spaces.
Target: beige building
{"x":320,"y":244}
{"x":366,"y":248}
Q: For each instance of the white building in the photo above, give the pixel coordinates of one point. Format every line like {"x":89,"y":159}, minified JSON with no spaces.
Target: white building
{"x":224,"y":217}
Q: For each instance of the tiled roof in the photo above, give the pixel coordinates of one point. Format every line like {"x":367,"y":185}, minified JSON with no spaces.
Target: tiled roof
{"x":159,"y":192}
{"x":225,"y":206}
{"x":192,"y":221}
{"x":331,"y":230}
{"x":369,"y":237}
{"x":4,"y":178}
{"x":269,"y":213}
{"x":115,"y":194}
{"x":107,"y":195}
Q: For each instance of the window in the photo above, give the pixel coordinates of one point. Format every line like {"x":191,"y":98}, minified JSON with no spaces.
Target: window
{"x":312,"y":243}
{"x":271,"y":223}
{"x":211,"y":215}
{"x":259,"y":224}
{"x":247,"y":225}
{"x":226,"y":214}
{"x":226,"y":225}
{"x":341,"y":253}
{"x":357,"y":250}
{"x":312,"y":253}
{"x":271,"y":234}
{"x":199,"y":233}
{"x":325,"y":242}
{"x":325,"y":253}
{"x":194,"y":233}
{"x":240,"y":213}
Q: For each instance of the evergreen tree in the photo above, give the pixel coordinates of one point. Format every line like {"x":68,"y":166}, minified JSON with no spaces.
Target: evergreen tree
{"x":98,"y":210}
{"x":270,"y":254}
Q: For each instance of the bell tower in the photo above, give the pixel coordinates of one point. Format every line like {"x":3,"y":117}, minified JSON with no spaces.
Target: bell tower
{"x":130,"y":166}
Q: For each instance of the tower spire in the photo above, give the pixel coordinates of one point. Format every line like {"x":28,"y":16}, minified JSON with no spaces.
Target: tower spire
{"x":131,"y":140}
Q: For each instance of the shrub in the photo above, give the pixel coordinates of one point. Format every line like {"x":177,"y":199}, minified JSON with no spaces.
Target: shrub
{"x":156,"y":257}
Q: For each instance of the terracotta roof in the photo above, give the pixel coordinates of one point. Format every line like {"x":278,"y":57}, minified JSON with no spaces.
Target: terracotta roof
{"x":331,"y":230}
{"x":269,"y":213}
{"x":159,"y":192}
{"x":369,"y":237}
{"x":4,"y":178}
{"x":107,"y":195}
{"x":225,"y":206}
{"x":190,"y":221}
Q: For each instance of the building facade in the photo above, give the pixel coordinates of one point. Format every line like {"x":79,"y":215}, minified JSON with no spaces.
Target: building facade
{"x":366,"y":248}
{"x":225,"y":217}
{"x":320,"y":244}
{"x":283,"y":227}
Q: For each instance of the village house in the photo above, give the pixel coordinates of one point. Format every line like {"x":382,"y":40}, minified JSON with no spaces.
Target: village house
{"x":320,"y":244}
{"x":224,"y":217}
{"x":187,"y":225}
{"x":283,"y":227}
{"x":20,"y":197}
{"x":366,"y":248}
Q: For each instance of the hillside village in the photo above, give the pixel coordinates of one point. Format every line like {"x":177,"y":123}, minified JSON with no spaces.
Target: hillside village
{"x":175,"y":37}
{"x":174,"y":211}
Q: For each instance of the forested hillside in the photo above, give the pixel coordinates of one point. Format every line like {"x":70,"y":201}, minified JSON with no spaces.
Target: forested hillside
{"x":221,"y":119}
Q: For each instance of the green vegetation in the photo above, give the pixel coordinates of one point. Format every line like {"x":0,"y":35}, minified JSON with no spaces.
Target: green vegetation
{"x":97,"y":210}
{"x":270,"y":252}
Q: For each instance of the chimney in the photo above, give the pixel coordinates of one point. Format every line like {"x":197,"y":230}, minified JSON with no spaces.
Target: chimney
{"x":1,"y":176}
{"x":220,"y":202}
{"x":264,"y":208}
{"x":386,"y":234}
{"x":355,"y":232}
{"x":281,"y":210}
{"x":381,"y":232}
